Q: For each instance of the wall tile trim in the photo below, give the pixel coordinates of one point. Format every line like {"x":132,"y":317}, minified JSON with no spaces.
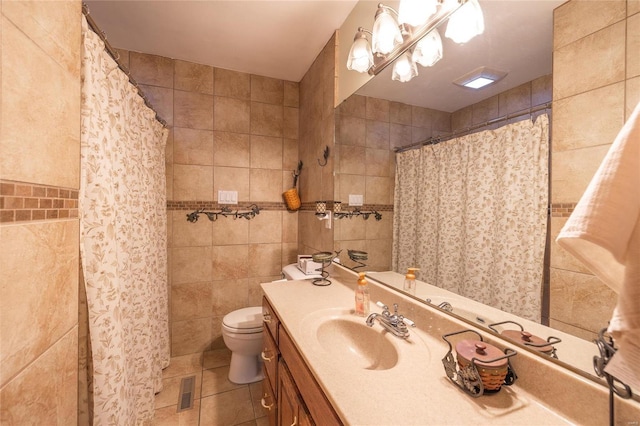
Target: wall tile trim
{"x":306,"y":206}
{"x":562,"y":209}
{"x":23,"y":202}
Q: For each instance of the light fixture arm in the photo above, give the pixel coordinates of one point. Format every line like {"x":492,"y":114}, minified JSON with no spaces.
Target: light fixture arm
{"x":362,"y":30}
{"x":382,"y":6}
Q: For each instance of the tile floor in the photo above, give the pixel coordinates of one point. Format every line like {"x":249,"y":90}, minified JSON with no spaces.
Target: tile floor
{"x":217,"y":402}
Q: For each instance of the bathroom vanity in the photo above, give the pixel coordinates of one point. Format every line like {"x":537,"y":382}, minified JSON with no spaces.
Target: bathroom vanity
{"x":291,"y":395}
{"x":324,"y":365}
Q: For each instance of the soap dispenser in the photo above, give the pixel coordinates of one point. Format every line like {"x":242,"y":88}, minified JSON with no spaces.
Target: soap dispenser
{"x":362,"y":296}
{"x":410,"y":281}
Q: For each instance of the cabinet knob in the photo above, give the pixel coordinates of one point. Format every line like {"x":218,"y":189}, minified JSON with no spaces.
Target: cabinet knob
{"x":266,"y":317}
{"x":265,"y":357}
{"x":295,"y":421}
{"x":264,"y":404}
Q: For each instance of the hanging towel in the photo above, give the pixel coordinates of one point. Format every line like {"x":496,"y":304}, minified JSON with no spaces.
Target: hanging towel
{"x":603,"y":232}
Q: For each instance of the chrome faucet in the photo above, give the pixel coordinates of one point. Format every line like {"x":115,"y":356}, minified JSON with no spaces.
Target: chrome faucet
{"x":444,"y":305}
{"x":396,"y":324}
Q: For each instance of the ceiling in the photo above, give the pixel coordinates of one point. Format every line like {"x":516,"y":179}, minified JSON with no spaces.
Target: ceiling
{"x":281,"y":39}
{"x":278,"y":39}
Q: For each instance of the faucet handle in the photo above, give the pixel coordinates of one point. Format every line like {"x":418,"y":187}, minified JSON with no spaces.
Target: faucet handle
{"x":407,"y":321}
{"x":382,"y":305}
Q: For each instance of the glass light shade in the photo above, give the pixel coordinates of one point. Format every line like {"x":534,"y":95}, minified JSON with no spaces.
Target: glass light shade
{"x":360,"y":55}
{"x":416,"y":12}
{"x":321,"y":206}
{"x":404,"y":69}
{"x":428,"y":51}
{"x":466,"y":22}
{"x":386,"y":33}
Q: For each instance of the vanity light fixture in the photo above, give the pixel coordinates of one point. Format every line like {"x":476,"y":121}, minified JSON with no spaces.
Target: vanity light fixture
{"x":417,"y":19}
{"x":404,"y":68}
{"x":360,"y":55}
{"x":428,"y":51}
{"x":467,"y":23}
{"x":480,"y":77}
{"x":387,"y":34}
{"x":416,"y":12}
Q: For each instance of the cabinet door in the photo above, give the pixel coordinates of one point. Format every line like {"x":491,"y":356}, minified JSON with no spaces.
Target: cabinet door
{"x":268,"y":401}
{"x":291,"y":409}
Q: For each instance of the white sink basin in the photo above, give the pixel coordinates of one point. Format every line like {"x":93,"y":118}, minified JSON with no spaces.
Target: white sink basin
{"x":345,"y":341}
{"x":353,"y":342}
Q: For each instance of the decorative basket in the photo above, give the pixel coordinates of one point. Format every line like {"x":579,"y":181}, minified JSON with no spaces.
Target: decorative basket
{"x":480,"y":368}
{"x":492,"y":373}
{"x":292,"y":199}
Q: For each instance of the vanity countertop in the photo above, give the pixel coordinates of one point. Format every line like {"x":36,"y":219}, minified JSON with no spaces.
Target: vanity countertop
{"x":416,"y":390}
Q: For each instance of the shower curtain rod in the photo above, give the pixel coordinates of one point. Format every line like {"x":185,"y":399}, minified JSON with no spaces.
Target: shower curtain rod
{"x":116,"y":57}
{"x":437,"y":139}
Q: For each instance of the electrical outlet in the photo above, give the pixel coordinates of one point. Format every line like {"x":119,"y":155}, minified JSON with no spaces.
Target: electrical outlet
{"x":227,"y":197}
{"x":356,"y":199}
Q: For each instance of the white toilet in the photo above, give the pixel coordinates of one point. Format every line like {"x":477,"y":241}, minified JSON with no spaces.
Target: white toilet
{"x":242,"y":334}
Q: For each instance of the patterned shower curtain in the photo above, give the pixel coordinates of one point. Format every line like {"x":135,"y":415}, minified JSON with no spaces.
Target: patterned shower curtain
{"x":471,"y":213}
{"x":123,"y":241}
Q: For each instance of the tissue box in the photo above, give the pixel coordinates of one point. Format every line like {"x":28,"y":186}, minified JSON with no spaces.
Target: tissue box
{"x":307,"y":265}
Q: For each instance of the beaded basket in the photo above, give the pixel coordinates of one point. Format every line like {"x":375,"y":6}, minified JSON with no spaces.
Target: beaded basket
{"x":292,"y":199}
{"x":492,"y":377}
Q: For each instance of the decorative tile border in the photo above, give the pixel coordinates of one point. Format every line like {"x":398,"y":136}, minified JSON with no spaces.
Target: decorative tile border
{"x":307,"y":206}
{"x":345,"y":207}
{"x":23,"y":202}
{"x":213,"y":205}
{"x":562,"y":209}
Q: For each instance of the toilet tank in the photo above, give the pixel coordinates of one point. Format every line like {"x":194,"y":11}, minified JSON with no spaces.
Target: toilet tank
{"x":292,"y":272}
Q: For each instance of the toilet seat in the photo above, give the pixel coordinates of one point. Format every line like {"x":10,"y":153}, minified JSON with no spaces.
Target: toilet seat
{"x":244,"y":321}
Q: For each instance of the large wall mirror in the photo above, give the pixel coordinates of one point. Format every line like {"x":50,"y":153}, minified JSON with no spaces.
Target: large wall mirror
{"x":519,"y":40}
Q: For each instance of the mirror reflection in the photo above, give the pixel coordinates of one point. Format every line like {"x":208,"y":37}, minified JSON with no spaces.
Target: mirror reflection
{"x":383,"y":116}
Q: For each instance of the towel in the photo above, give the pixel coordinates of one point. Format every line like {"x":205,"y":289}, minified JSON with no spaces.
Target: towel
{"x":603,"y":232}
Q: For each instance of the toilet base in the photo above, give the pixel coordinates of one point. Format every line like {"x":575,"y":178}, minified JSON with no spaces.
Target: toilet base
{"x":245,"y":369}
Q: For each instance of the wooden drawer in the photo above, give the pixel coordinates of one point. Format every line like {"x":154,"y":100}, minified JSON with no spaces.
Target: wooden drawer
{"x":270,"y":319}
{"x":270,"y":358}
{"x":268,"y":401}
{"x":319,"y":407}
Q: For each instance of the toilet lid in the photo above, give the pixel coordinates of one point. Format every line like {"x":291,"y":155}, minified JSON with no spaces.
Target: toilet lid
{"x":245,"y":320}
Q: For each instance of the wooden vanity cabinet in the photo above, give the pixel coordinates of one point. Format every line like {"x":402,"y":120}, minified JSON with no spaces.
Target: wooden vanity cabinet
{"x":292,"y":410}
{"x":270,"y":356}
{"x":269,"y":401}
{"x":299,"y":400}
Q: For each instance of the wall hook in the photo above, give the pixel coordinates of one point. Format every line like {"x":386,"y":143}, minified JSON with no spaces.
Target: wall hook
{"x":325,"y":155}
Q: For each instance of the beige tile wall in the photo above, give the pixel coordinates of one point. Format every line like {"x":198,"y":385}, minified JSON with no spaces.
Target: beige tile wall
{"x":40,"y":145}
{"x":229,"y":131}
{"x":527,"y":95}
{"x":367,"y":131}
{"x":596,"y":85}
{"x":317,"y":129}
